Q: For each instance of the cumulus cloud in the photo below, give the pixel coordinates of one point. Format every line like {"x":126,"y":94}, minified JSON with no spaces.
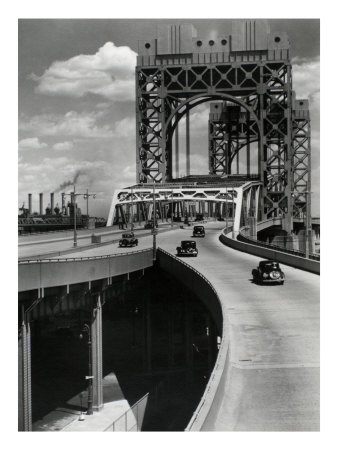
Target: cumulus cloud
{"x":70,"y":124}
{"x":63,"y":146}
{"x":305,"y":77}
{"x":125,"y":127}
{"x":77,"y":125}
{"x":31,"y":143}
{"x":108,"y":73}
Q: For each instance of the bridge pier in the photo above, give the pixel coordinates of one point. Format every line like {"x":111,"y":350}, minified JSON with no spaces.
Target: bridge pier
{"x":96,"y":332}
{"x":24,"y":376}
{"x":51,"y":306}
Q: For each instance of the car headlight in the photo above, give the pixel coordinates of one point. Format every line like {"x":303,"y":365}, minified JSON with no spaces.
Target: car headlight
{"x":275,"y":275}
{"x":265,"y":275}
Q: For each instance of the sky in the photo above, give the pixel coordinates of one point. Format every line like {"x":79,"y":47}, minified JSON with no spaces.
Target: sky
{"x":76,"y":103}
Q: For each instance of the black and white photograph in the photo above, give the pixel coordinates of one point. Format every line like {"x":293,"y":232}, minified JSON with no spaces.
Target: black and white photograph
{"x":169,"y":212}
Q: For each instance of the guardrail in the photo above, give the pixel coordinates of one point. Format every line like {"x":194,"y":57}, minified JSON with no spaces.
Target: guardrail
{"x":44,"y":273}
{"x":132,"y":419}
{"x":80,"y":258}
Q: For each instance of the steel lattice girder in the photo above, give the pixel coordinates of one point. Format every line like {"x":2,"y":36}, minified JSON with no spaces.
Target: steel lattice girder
{"x":259,"y":80}
{"x":301,"y":133}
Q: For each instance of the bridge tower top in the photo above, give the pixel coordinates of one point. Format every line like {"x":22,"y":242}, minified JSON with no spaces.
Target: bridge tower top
{"x":252,"y":36}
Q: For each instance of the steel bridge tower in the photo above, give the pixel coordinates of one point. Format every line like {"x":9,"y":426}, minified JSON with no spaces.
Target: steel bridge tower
{"x":248,"y":73}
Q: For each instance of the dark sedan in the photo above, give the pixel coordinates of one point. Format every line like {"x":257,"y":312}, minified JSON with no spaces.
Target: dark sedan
{"x":187,"y":248}
{"x":268,"y":272}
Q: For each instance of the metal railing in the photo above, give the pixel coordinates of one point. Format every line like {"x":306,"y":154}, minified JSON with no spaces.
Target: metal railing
{"x":80,"y":258}
{"x":132,"y":419}
{"x":190,"y":268}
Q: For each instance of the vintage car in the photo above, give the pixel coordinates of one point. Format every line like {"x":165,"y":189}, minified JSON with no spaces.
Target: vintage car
{"x":198,"y":231}
{"x":150,"y":224}
{"x":128,"y":240}
{"x":268,"y":272}
{"x":187,"y":248}
{"x":199,"y":217}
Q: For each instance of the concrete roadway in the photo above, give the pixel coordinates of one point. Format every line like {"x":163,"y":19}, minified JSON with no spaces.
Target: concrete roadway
{"x":273,"y":381}
{"x":45,"y":244}
{"x":274,"y":332}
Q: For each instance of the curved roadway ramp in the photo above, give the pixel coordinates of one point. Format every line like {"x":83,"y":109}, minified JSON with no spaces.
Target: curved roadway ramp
{"x":268,"y":375}
{"x":271,"y":379}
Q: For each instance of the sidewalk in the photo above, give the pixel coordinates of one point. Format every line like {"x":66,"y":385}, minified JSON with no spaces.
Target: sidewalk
{"x":115,"y":405}
{"x":66,"y":417}
{"x":101,"y":420}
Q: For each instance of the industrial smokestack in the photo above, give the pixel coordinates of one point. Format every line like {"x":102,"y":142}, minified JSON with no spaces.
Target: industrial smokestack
{"x":63,"y":205}
{"x":52,"y":202}
{"x":30,"y":203}
{"x":41,"y":203}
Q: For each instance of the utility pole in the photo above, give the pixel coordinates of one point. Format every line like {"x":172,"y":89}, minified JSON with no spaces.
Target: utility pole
{"x":154,"y":224}
{"x":74,"y":212}
{"x":172,"y":209}
{"x":73,"y":196}
{"x":132,"y":211}
{"x":233,"y":214}
{"x":307,"y":224}
{"x":226,"y":211}
{"x":89,"y":377}
{"x":86,"y":197}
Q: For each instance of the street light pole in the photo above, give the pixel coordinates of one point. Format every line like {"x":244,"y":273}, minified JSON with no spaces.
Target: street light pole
{"x":307,"y":222}
{"x":233,"y":214}
{"x":226,"y":210}
{"x":132,"y":211}
{"x":86,"y":329}
{"x":172,"y":209}
{"x":74,"y":212}
{"x":154,"y":223}
{"x":86,"y":197}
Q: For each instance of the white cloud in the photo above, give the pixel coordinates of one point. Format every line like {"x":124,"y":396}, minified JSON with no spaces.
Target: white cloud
{"x":125,"y":127}
{"x":31,"y":143}
{"x":305,"y":77}
{"x":63,"y":146}
{"x":108,"y":73}
{"x":70,"y":124}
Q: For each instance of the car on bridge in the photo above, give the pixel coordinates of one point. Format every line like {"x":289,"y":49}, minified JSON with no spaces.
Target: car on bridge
{"x":150,"y":224}
{"x":198,"y":231}
{"x":128,"y":240}
{"x":187,"y":248}
{"x":268,"y":272}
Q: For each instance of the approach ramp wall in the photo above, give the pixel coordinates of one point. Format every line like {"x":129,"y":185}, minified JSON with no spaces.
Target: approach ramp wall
{"x":208,"y":408}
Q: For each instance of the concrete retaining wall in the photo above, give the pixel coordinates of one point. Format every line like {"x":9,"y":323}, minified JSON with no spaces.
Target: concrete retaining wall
{"x":284,"y":258}
{"x":208,"y":407}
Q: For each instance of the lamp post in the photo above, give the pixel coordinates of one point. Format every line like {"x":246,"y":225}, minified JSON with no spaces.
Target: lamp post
{"x":86,"y":197}
{"x":73,"y":196}
{"x":226,"y":210}
{"x":154,"y":224}
{"x":307,"y":222}
{"x":89,"y":377}
{"x":172,"y":209}
{"x":233,"y":214}
{"x":132,"y":211}
{"x":74,"y":212}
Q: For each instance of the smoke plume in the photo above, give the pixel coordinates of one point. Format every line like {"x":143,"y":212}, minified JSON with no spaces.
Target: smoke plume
{"x":68,"y":183}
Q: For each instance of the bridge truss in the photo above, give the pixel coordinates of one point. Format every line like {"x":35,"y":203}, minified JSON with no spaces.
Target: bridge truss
{"x":250,"y":73}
